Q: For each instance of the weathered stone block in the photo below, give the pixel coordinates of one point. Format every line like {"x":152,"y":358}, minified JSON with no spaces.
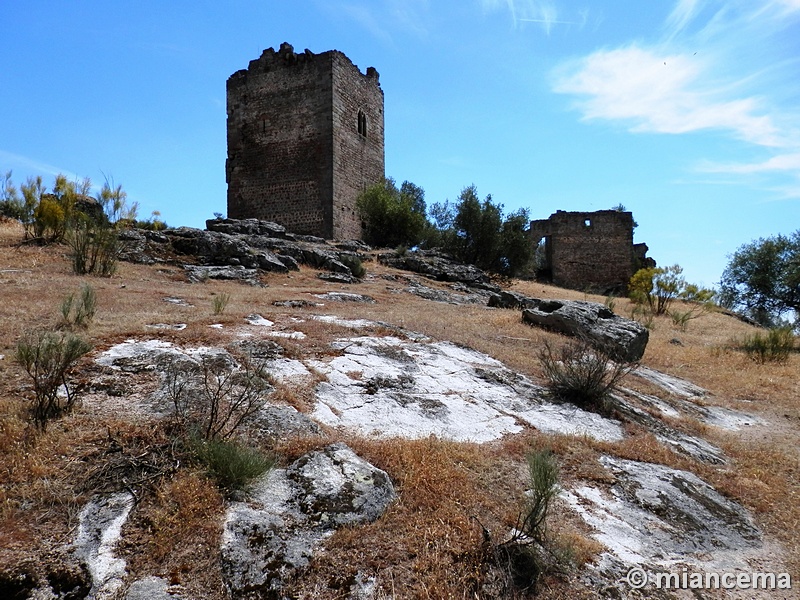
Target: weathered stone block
{"x":621,"y":338}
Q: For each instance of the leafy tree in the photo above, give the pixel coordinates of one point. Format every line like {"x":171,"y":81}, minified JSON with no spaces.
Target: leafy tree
{"x":763,"y":279}
{"x":479,"y":233}
{"x":477,"y":226}
{"x":391,"y":216}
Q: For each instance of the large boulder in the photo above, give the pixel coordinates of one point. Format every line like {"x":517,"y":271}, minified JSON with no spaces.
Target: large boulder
{"x":620,"y":338}
{"x":268,"y":539}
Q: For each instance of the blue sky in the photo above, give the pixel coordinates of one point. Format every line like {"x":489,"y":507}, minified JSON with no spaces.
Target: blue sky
{"x":685,"y":111}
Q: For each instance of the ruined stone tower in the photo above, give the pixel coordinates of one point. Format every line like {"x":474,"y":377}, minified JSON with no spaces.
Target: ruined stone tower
{"x":305,"y":137}
{"x":590,"y":251}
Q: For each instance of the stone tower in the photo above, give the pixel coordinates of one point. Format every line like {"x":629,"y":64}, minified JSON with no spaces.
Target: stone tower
{"x":305,"y":137}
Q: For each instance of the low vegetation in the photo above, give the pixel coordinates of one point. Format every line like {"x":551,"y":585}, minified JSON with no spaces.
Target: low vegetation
{"x":531,"y":552}
{"x":473,"y":231}
{"x":775,"y":345}
{"x":429,"y":543}
{"x":232,"y":463}
{"x":49,"y":358}
{"x":77,"y":313}
{"x":585,"y":376}
{"x":220,"y":302}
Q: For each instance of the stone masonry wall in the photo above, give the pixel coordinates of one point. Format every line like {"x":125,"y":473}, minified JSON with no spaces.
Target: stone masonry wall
{"x":588,"y":250}
{"x":358,"y":159}
{"x":295,"y":155}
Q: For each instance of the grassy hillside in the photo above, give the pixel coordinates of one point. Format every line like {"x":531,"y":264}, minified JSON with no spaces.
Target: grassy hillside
{"x":430,"y":542}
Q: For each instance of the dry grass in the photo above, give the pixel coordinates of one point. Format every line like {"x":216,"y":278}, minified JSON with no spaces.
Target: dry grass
{"x":430,"y":543}
{"x":174,"y":534}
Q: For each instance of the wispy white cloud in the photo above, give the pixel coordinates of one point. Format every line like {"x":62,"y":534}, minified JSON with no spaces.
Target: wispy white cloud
{"x":682,"y":14}
{"x":34,"y":167}
{"x":789,"y":162}
{"x":380,"y":19}
{"x":542,"y":12}
{"x":667,"y":86}
{"x":15,"y":161}
{"x":661,"y":93}
{"x":782,"y":171}
{"x":718,"y":65}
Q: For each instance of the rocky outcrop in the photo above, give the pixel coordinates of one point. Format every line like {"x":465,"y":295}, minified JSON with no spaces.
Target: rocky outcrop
{"x":621,"y":338}
{"x":415,"y":389}
{"x":439,"y":266}
{"x":655,"y":515}
{"x":268,"y":539}
{"x":99,"y":529}
{"x":247,"y":243}
{"x":508,"y":299}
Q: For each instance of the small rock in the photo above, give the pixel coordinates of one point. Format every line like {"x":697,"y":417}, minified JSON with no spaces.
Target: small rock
{"x":198,"y":273}
{"x":346,"y":297}
{"x":337,"y":277}
{"x":296,"y":303}
{"x":151,"y":588}
{"x":508,"y":299}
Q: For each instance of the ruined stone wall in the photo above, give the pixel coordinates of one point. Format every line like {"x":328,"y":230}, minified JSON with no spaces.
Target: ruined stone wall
{"x":358,"y":156}
{"x":295,"y":155}
{"x":588,"y":250}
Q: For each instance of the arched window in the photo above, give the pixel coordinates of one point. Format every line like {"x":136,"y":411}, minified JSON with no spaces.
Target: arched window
{"x":362,"y":123}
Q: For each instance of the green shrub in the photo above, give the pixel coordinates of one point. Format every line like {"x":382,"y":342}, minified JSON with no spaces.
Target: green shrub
{"x":95,"y":247}
{"x":775,"y":346}
{"x":392,"y":216}
{"x":582,"y":375}
{"x":543,"y":477}
{"x":353,"y":263}
{"x":79,"y":313}
{"x":656,"y":287}
{"x":220,"y":302}
{"x":11,"y":205}
{"x":232,"y":463}
{"x":530,"y":553}
{"x":48,"y":358}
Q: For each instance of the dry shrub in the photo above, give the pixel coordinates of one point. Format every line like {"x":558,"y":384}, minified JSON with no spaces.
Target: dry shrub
{"x":582,"y":375}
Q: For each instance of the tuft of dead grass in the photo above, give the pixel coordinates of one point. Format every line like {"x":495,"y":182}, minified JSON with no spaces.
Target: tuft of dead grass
{"x":174,"y":534}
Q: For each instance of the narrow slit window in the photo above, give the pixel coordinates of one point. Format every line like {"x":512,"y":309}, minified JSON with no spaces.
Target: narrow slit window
{"x":362,"y":123}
